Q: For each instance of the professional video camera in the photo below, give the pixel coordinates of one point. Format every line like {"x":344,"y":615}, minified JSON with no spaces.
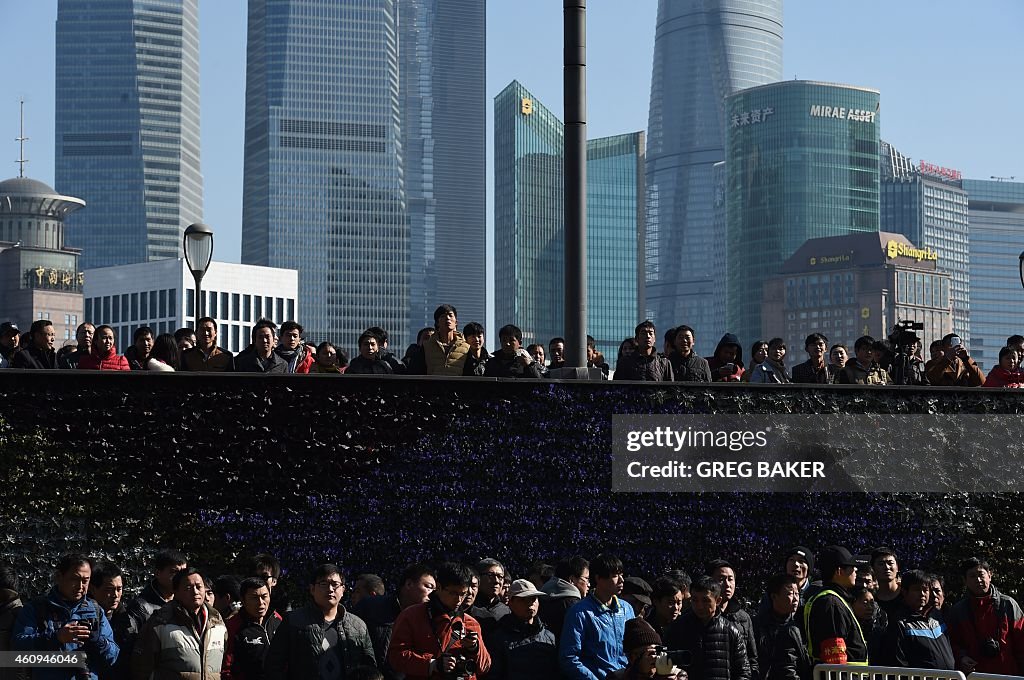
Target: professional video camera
{"x":905,"y":367}
{"x":666,"y":660}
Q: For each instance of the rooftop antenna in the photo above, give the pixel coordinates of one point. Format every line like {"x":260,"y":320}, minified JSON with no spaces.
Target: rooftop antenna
{"x":21,"y":139}
{"x":1003,"y":179}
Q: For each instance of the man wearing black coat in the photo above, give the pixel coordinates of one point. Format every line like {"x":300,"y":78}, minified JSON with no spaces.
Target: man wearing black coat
{"x":914,"y":639}
{"x":781,"y":651}
{"x":40,"y":352}
{"x":830,"y":626}
{"x":713,"y":644}
{"x":645,"y":364}
{"x":521,"y":647}
{"x":816,"y":370}
{"x":732,"y":609}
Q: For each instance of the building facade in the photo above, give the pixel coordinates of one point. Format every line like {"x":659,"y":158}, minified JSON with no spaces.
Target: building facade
{"x":40,"y":276}
{"x":442,"y":68}
{"x":704,"y":50}
{"x":928,"y":204}
{"x":529,"y":219}
{"x":996,"y":214}
{"x":161,"y":295}
{"x":802,"y":163}
{"x":127,"y":126}
{"x":849,"y":286}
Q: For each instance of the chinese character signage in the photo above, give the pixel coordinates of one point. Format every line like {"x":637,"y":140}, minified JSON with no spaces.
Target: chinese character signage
{"x":54,"y":279}
{"x":752,"y":117}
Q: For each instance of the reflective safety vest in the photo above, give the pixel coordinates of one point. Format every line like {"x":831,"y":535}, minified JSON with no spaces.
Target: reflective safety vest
{"x":815,"y":659}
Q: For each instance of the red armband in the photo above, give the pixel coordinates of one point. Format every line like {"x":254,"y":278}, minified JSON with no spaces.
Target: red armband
{"x":833,"y":650}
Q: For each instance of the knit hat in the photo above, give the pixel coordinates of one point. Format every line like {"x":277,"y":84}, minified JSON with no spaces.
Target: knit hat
{"x":804,"y":553}
{"x":639,"y":634}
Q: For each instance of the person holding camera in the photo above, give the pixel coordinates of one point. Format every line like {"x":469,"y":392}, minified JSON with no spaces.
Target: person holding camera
{"x":955,"y":368}
{"x":67,"y":620}
{"x":511,"y":361}
{"x":648,"y":658}
{"x":986,"y":627}
{"x":437,"y":638}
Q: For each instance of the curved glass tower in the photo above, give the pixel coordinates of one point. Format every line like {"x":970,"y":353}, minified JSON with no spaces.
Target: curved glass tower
{"x":704,"y":50}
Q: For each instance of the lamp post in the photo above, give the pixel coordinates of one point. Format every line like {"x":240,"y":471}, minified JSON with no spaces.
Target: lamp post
{"x":198,"y":247}
{"x":1022,"y":270}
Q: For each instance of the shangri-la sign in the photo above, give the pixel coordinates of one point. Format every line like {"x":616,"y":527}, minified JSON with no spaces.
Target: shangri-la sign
{"x":54,"y":279}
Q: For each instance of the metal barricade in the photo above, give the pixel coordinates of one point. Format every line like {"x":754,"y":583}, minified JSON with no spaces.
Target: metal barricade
{"x":847,"y":672}
{"x":992,"y":676}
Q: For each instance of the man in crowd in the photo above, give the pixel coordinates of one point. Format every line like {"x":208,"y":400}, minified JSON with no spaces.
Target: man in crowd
{"x":488,"y":608}
{"x":226,"y":596}
{"x":384,"y":350}
{"x":106,"y":586}
{"x":83,"y":338}
{"x":714,"y":645}
{"x":445,"y":352}
{"x":830,"y":628}
{"x":250,"y":632}
{"x":955,"y":368}
{"x":477,"y":356}
{"x":914,"y":639}
{"x":595,"y":359}
{"x":687,"y":365}
{"x":290,"y":347}
{"x":569,"y":585}
{"x":67,"y":620}
{"x":142,"y":346}
{"x":987,"y":626}
{"x":645,"y":364}
{"x":861,"y":368}
{"x":365,"y":585}
{"x":9,"y":337}
{"x":39,"y":353}
{"x":781,"y":652}
{"x":511,"y":361}
{"x":185,"y":638}
{"x":206,"y":356}
{"x":887,"y":575}
{"x":641,"y":642}
{"x":379,"y":613}
{"x":521,"y":647}
{"x":259,"y":356}
{"x":556,"y":352}
{"x":815,"y":370}
{"x":322,"y":640}
{"x":591,"y":643}
{"x":157,"y":593}
{"x":732,"y":609}
{"x":637,"y":592}
{"x":268,"y":567}
{"x":437,"y":636}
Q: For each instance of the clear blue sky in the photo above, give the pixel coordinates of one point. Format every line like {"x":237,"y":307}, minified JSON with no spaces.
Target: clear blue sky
{"x":950,"y":74}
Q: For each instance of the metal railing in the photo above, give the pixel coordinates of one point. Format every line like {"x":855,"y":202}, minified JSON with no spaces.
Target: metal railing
{"x":846,"y":672}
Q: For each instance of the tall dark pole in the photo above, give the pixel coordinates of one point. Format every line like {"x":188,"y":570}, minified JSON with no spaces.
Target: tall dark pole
{"x":575,"y":94}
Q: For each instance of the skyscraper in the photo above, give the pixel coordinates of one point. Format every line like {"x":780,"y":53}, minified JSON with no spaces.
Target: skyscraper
{"x":442,"y":64}
{"x":127,"y":126}
{"x":529,"y":224}
{"x":323,"y":190}
{"x":703,"y":51}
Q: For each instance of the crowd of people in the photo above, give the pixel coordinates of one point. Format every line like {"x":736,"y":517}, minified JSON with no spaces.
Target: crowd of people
{"x":444,"y":350}
{"x":576,"y":620}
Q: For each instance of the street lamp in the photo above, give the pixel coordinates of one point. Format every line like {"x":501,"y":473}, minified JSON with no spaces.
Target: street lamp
{"x":1022,"y":270}
{"x":198,"y":247}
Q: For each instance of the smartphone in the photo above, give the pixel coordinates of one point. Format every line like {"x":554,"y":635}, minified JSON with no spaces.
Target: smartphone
{"x":955,"y":341}
{"x":731,"y":368}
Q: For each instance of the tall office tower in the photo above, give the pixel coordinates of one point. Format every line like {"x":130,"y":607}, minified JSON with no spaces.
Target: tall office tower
{"x":704,"y":50}
{"x":996,"y":213}
{"x":127,"y":126}
{"x":442,"y":67}
{"x":928,"y":204}
{"x":323,"y":190}
{"x":802,"y":163}
{"x":529,"y":224}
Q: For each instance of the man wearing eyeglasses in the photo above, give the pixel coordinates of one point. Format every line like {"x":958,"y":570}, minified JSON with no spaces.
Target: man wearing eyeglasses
{"x":322,"y":640}
{"x":436,"y":637}
{"x":488,"y":608}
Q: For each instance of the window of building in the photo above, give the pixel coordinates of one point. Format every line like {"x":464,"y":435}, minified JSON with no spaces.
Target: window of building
{"x":172,"y":303}
{"x":154,"y":308}
{"x":115,"y":304}
{"x":163,"y":303}
{"x":291,"y":308}
{"x":211,"y":304}
{"x":236,"y":303}
{"x":190,"y":302}
{"x":135,"y":307}
{"x":143,"y":307}
{"x":258,"y":307}
{"x":280,"y":309}
{"x":224,"y":308}
{"x":247,"y":308}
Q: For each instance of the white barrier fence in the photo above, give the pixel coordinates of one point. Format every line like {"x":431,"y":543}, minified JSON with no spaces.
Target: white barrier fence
{"x":845,"y":672}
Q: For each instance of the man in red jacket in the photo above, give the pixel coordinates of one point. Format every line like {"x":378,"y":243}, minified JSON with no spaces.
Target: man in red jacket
{"x":986,"y":626}
{"x":436,"y":638}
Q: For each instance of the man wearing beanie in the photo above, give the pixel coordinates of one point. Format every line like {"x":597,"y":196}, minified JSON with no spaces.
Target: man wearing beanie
{"x":798,"y":562}
{"x":641,"y":642}
{"x":830,"y":627}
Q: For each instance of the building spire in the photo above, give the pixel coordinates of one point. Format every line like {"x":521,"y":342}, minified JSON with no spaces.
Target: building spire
{"x":21,"y":139}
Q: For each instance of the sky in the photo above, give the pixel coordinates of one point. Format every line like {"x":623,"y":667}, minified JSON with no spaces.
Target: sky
{"x":950,"y":75}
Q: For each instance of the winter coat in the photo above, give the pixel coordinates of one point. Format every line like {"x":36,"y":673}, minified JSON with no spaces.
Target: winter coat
{"x":248,"y":644}
{"x":298,"y":643}
{"x":781,"y":652}
{"x":445,"y":360}
{"x":130,"y":618}
{"x":423,"y":632}
{"x":248,"y":361}
{"x":219,"y":360}
{"x":561,"y":596}
{"x":71,"y":359}
{"x":975,"y":619}
{"x":714,"y":363}
{"x":134,"y":362}
{"x":957,"y":373}
{"x":299,"y":360}
{"x":33,"y":357}
{"x":1000,"y":377}
{"x":379,"y":614}
{"x":521,"y":651}
{"x":831,"y":631}
{"x":488,"y":615}
{"x":645,"y":367}
{"x":716,"y":649}
{"x":500,"y":365}
{"x":693,"y":368}
{"x":855,"y":374}
{"x":37,"y":623}
{"x":10,"y":605}
{"x":104,"y":361}
{"x":771,"y":373}
{"x":913,"y":641}
{"x":363,"y":366}
{"x":169,"y":647}
{"x":474,"y":365}
{"x":592,"y":635}
{"x":738,"y":616}
{"x":808,"y":372}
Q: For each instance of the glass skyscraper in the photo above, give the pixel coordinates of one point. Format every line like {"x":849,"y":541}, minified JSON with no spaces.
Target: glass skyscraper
{"x":127,"y":126}
{"x":931,"y":210}
{"x":996,"y":212}
{"x":802,"y":163}
{"x":704,"y":50}
{"x":529,"y":224}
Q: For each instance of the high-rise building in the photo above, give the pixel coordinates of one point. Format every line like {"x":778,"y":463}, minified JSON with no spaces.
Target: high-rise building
{"x":996,"y":213}
{"x":802,"y":163}
{"x":927,"y":204}
{"x":704,"y":50}
{"x":529,"y":224}
{"x":127,"y":126}
{"x":323,"y":190}
{"x":442,"y":69}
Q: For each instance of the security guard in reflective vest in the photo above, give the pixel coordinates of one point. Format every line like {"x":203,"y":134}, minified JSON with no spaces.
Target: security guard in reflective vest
{"x":830,"y":628}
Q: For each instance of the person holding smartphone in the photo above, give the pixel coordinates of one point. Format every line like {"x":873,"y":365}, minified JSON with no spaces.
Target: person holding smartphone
{"x":955,"y":368}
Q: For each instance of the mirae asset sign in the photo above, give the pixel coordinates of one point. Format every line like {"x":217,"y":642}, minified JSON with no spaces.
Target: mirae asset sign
{"x":842,"y":113}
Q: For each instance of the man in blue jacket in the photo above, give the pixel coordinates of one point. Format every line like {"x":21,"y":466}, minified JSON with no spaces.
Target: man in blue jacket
{"x":591,"y":645}
{"x":66,"y":620}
